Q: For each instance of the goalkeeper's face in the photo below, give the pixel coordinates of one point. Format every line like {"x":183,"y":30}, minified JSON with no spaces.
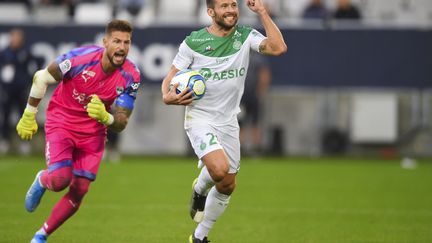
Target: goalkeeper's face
{"x":117,"y":46}
{"x":226,"y":13}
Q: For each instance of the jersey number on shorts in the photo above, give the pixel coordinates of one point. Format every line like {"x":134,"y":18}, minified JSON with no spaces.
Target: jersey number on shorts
{"x":212,"y":141}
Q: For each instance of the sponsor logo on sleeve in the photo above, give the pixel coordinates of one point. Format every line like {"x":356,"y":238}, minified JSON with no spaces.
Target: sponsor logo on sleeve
{"x":65,"y":66}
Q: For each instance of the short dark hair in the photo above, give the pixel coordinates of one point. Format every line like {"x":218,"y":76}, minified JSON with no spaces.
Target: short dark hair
{"x":210,"y":3}
{"x":118,"y":25}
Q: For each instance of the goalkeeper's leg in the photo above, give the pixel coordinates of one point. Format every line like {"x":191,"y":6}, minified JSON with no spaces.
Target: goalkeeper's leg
{"x":56,"y":178}
{"x":66,"y":207}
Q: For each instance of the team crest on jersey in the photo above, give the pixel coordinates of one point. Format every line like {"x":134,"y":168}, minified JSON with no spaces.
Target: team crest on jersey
{"x":86,"y":75}
{"x":237,"y":45}
{"x":135,"y":86}
{"x":119,"y":90}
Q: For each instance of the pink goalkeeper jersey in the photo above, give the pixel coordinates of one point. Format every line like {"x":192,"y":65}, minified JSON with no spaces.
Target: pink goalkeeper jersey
{"x":83,"y":76}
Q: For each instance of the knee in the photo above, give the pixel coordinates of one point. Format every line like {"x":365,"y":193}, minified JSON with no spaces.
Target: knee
{"x":58,"y":183}
{"x":226,"y":188}
{"x":79,"y":189}
{"x":218,"y":174}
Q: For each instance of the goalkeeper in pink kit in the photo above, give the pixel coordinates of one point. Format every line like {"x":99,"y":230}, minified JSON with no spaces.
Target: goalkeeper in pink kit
{"x":90,"y":80}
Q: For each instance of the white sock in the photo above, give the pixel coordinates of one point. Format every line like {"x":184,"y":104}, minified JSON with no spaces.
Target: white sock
{"x":41,"y":232}
{"x":204,"y":183}
{"x":216,"y":204}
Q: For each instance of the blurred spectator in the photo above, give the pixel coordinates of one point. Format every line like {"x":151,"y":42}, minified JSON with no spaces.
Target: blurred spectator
{"x":346,"y":10}
{"x":112,"y":153}
{"x":132,"y":6}
{"x":256,"y":85}
{"x":70,"y":4}
{"x":16,"y":63}
{"x":315,"y":10}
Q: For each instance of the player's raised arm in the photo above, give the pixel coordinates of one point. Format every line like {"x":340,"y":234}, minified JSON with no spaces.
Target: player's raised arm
{"x":274,"y":44}
{"x":27,"y":125}
{"x":170,"y":97}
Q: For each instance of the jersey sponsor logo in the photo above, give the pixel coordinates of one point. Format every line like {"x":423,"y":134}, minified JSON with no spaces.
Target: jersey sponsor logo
{"x":202,"y":39}
{"x":86,"y":75}
{"x":82,"y":98}
{"x":226,"y":74}
{"x":65,"y":66}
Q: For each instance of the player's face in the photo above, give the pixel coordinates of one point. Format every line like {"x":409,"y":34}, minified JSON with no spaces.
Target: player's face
{"x":226,"y":13}
{"x":117,"y":47}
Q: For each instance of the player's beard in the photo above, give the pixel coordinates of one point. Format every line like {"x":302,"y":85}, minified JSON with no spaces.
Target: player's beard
{"x":111,"y":59}
{"x":220,"y":21}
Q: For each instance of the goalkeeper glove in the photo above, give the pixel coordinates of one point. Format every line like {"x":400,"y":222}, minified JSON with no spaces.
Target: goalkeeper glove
{"x":27,"y":125}
{"x":96,"y":110}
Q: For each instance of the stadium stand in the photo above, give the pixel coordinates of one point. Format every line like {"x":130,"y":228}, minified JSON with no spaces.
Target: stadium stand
{"x":13,"y":13}
{"x":145,"y":17}
{"x":50,"y":14}
{"x":93,"y":13}
{"x":176,"y":12}
{"x":190,"y":12}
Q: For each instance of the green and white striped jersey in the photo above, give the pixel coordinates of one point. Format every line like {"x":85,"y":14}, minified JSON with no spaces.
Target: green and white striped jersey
{"x":223,"y":61}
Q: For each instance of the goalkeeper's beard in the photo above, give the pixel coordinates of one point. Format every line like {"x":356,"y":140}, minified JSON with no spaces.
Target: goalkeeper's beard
{"x":111,"y":60}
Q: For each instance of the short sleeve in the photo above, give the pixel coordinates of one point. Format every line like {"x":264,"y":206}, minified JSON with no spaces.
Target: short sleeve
{"x":184,"y":57}
{"x":255,"y":39}
{"x":133,"y":84}
{"x":66,"y":61}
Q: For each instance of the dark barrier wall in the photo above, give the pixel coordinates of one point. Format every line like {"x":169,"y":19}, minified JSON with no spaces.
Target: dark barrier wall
{"x":316,"y":58}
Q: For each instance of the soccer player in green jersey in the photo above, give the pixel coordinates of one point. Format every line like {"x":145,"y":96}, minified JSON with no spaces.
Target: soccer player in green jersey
{"x":221,"y":53}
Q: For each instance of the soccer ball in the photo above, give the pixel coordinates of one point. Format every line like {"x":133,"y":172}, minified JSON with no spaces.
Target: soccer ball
{"x":190,"y":79}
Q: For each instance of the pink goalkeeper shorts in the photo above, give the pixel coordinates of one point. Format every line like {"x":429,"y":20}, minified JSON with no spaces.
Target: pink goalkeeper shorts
{"x":67,"y":148}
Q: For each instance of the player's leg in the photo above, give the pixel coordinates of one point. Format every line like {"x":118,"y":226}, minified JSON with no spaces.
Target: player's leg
{"x":204,"y":141}
{"x":58,"y":153}
{"x":65,"y":208}
{"x":86,"y":157}
{"x":216,"y":203}
{"x":200,"y":189}
{"x":56,"y":178}
{"x":222,"y":166}
{"x":216,"y":161}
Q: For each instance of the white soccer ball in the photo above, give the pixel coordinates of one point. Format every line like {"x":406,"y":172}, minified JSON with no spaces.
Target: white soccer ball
{"x":190,"y":79}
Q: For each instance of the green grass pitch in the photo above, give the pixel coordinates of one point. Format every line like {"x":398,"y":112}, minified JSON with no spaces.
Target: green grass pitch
{"x":277,"y":200}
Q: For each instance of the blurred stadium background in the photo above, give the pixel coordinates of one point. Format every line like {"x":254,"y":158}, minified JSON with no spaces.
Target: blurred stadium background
{"x":359,"y":91}
{"x":345,"y":87}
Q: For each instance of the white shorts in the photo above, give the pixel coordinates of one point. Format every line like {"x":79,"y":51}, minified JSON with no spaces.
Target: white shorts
{"x":206,"y":138}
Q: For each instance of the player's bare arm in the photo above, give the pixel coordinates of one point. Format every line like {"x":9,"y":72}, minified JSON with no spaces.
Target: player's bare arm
{"x":27,"y":125}
{"x":274,"y":45}
{"x":121,"y":118}
{"x":41,"y":80}
{"x":170,"y":97}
